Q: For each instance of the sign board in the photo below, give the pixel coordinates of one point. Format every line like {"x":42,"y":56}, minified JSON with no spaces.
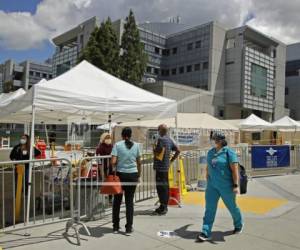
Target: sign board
{"x":270,"y":156}
{"x":79,"y":131}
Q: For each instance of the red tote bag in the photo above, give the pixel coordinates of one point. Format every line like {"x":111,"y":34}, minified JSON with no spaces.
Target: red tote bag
{"x":111,"y":185}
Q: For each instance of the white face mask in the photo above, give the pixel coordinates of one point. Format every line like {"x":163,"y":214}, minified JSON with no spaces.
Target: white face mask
{"x":23,"y":141}
{"x":24,"y":152}
{"x":107,"y":141}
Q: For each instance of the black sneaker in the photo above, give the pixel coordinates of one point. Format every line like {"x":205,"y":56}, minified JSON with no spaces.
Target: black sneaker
{"x":163,"y":212}
{"x":116,"y":230}
{"x":238,"y":230}
{"x":129,"y":231}
{"x":203,"y":237}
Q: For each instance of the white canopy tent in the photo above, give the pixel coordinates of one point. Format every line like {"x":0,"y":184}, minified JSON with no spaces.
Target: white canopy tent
{"x":186,"y":120}
{"x":7,"y":98}
{"x":84,"y":92}
{"x":286,"y":124}
{"x":254,"y":123}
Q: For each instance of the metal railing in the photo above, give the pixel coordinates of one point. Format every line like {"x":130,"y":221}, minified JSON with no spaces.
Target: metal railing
{"x":65,"y":192}
{"x":51,"y":193}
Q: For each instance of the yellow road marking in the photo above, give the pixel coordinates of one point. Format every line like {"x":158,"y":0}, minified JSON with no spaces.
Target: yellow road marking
{"x":251,"y":204}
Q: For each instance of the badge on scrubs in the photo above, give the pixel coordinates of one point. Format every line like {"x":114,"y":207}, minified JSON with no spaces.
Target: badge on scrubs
{"x":214,"y":162}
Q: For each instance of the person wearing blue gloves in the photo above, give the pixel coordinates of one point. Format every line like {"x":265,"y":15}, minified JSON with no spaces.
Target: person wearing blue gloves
{"x":222,"y":181}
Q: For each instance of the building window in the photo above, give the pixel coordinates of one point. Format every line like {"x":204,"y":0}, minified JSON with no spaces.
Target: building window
{"x":198,"y":44}
{"x":157,"y":50}
{"x":197,"y":67}
{"x":221,"y":113}
{"x":231,"y":62}
{"x":38,"y":74}
{"x":62,"y":68}
{"x":44,"y":75}
{"x":258,"y":81}
{"x":181,"y":70}
{"x":286,"y":91}
{"x":50,"y":76}
{"x":274,"y":53}
{"x":149,"y":70}
{"x":174,"y":51}
{"x":156,"y":71}
{"x":174,"y":71}
{"x":205,"y":65}
{"x":166,"y":52}
{"x":165,"y":72}
{"x":189,"y":68}
{"x":230,"y":44}
{"x":31,"y":73}
{"x":190,"y":46}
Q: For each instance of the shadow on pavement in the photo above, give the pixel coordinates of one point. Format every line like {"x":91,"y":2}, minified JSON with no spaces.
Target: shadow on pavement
{"x":22,"y":240}
{"x":217,"y":236}
{"x":96,"y":232}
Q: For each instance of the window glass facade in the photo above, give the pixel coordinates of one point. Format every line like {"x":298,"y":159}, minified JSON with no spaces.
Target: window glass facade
{"x":258,"y":81}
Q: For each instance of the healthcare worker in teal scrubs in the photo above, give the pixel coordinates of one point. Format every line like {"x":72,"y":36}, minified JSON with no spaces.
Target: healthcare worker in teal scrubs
{"x":222,"y":181}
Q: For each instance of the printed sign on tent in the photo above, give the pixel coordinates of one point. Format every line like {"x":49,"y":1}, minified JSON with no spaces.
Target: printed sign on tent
{"x":79,"y":131}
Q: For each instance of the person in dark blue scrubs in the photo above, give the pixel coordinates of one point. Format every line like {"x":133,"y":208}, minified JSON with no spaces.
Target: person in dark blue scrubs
{"x":222,"y":181}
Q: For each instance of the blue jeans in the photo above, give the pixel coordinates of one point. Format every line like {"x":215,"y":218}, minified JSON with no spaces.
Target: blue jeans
{"x":212,"y":196}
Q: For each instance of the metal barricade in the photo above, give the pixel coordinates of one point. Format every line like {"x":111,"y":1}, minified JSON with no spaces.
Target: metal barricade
{"x":51,"y":193}
{"x":87,"y":178}
{"x":147,"y":186}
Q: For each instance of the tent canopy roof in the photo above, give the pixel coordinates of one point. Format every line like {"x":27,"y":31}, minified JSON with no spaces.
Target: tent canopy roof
{"x":186,"y":120}
{"x":87,"y":92}
{"x":286,"y":123}
{"x":7,"y":98}
{"x":253,"y":122}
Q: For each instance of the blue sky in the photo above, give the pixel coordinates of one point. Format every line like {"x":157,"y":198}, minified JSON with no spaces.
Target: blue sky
{"x":38,"y":54}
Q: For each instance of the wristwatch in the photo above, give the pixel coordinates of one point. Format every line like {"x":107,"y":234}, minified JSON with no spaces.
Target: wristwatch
{"x":235,"y":185}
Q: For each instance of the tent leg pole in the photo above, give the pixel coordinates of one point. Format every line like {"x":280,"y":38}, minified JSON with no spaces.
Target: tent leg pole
{"x":109,"y":124}
{"x":176,"y":129}
{"x":31,"y":158}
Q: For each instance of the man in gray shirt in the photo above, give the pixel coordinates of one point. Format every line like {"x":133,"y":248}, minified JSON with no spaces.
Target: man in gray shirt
{"x":162,"y":152}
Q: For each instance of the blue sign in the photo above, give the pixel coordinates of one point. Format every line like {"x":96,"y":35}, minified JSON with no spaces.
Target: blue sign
{"x":270,"y":156}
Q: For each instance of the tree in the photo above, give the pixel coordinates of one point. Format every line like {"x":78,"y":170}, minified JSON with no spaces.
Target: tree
{"x":103,"y":49}
{"x":133,"y":58}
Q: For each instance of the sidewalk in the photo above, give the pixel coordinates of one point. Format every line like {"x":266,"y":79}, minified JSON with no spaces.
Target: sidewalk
{"x":272,"y":221}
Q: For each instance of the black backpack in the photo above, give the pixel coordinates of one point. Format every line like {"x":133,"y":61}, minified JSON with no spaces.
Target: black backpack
{"x":243,"y":177}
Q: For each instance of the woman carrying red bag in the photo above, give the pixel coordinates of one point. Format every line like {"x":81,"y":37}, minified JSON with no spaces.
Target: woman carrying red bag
{"x":126,"y":158}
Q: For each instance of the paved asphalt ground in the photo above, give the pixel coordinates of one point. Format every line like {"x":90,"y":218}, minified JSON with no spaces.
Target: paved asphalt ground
{"x":272,"y":221}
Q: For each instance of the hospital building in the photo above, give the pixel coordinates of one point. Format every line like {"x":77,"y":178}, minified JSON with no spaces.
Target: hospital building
{"x":228,"y":73}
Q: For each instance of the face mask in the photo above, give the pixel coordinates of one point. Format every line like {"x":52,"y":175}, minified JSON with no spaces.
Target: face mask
{"x":24,"y":152}
{"x":107,"y":141}
{"x":23,"y":141}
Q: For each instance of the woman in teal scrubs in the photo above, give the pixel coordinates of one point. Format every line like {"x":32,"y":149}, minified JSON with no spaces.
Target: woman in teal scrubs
{"x":222,"y":181}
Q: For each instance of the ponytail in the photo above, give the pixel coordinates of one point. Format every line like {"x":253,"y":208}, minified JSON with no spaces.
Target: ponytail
{"x":224,"y":143}
{"x":128,"y":143}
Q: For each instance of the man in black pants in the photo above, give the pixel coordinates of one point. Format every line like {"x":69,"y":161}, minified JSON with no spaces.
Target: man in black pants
{"x":162,"y":152}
